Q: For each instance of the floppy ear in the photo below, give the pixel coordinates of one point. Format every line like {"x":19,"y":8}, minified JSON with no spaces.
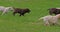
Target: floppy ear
{"x":28,"y":10}
{"x":58,"y":16}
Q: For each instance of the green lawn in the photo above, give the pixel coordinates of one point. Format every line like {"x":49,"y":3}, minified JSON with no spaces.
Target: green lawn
{"x":29,"y":22}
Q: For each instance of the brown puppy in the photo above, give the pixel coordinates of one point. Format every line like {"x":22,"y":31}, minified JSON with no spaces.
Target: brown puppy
{"x":21,"y":11}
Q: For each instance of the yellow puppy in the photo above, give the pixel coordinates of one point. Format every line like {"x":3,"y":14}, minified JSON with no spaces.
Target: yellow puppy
{"x":50,"y":19}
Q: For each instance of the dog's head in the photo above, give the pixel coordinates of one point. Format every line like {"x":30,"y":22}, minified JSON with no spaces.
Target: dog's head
{"x":27,"y":10}
{"x":58,"y":16}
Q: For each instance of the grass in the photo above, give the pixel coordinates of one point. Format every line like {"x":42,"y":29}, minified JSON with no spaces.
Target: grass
{"x":29,"y":22}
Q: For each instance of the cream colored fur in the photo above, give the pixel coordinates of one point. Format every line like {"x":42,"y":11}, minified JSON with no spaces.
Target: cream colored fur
{"x":50,"y":19}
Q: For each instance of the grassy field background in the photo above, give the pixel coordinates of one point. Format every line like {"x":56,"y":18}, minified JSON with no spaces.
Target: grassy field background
{"x":29,"y":22}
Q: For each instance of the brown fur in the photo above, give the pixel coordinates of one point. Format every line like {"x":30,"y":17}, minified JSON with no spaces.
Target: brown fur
{"x":21,"y":11}
{"x":54,"y":11}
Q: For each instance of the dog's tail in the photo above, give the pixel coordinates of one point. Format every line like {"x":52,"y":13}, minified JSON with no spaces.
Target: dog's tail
{"x":40,"y":18}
